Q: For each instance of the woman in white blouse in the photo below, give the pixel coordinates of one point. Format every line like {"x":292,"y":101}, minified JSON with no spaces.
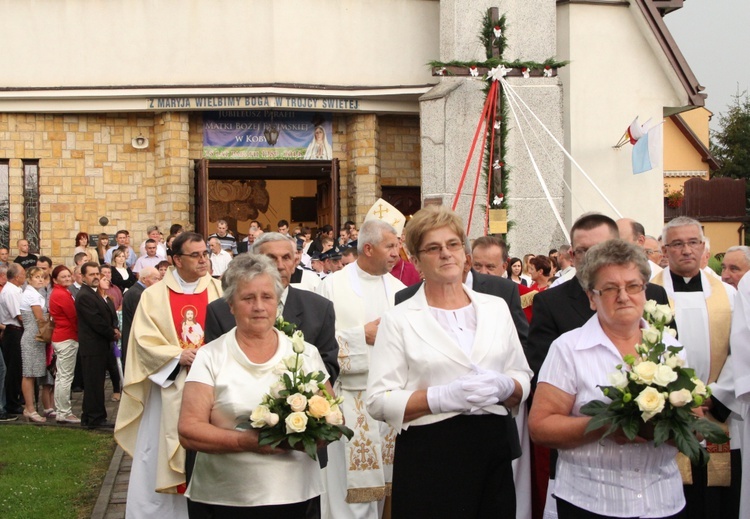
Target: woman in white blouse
{"x":613,"y":477}
{"x":234,"y":476}
{"x":446,"y":368}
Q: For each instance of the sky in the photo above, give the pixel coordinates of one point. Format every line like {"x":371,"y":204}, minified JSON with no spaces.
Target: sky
{"x":713,"y":36}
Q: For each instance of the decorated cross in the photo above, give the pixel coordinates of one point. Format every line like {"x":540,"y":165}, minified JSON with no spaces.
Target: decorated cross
{"x":493,"y":118}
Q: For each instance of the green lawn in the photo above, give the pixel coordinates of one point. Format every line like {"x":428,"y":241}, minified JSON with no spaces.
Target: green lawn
{"x":51,"y":471}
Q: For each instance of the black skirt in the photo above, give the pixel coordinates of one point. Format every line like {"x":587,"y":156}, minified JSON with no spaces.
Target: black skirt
{"x":459,"y":467}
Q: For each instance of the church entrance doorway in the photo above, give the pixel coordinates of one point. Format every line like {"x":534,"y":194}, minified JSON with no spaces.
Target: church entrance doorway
{"x":301,"y":192}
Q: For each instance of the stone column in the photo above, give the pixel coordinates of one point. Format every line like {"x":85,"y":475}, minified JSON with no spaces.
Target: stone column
{"x":363,"y":164}
{"x":451,"y":110}
{"x":172,"y":172}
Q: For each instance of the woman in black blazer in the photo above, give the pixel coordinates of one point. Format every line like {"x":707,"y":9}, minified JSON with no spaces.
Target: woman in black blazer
{"x":122,"y":277}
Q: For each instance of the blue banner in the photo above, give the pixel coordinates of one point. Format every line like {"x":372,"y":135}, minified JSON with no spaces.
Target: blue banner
{"x":248,"y":135}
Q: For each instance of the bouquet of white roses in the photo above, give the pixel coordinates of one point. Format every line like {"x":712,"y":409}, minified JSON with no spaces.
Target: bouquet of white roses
{"x":655,"y":391}
{"x":298,"y":409}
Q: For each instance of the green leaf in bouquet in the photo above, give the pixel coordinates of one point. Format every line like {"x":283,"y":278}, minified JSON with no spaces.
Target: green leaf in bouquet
{"x":661,"y":432}
{"x":601,"y":420}
{"x":674,"y":349}
{"x":311,"y":447}
{"x":683,"y":381}
{"x":294,"y":439}
{"x":630,"y":426}
{"x":288,"y":382}
{"x":346,"y":431}
{"x":594,"y":408}
{"x":687,"y":444}
{"x":710,"y":431}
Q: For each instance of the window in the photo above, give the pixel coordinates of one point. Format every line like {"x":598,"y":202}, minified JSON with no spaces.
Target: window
{"x":4,"y":204}
{"x":31,"y":203}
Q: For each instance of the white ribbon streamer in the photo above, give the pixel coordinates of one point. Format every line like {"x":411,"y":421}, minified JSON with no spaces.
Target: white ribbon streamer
{"x":536,"y":167}
{"x":509,"y":88}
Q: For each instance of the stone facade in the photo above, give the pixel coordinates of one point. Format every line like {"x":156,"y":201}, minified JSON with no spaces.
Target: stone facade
{"x":89,"y":169}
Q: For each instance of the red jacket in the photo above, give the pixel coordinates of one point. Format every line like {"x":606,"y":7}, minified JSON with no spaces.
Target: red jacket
{"x":62,"y":308}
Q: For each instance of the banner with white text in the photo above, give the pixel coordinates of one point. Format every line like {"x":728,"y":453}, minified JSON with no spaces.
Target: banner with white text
{"x":267,"y":135}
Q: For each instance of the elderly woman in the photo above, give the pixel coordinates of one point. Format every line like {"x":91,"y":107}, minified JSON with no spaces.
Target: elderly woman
{"x":612,"y":477}
{"x":233,"y":475}
{"x":446,"y":368}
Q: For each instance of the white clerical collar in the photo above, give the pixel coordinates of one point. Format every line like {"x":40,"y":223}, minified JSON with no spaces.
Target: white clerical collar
{"x":364,"y":274}
{"x":187,"y":288}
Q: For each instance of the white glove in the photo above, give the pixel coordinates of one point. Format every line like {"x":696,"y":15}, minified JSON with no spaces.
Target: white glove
{"x":503,"y":386}
{"x":463,"y":394}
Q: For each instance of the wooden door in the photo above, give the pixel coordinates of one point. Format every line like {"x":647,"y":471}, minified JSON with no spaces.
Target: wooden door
{"x":328,"y":197}
{"x":201,"y":197}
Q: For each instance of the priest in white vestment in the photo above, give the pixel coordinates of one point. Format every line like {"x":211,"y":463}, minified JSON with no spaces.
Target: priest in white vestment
{"x":703,"y":312}
{"x":158,"y":361}
{"x":740,"y":342}
{"x":359,"y":470}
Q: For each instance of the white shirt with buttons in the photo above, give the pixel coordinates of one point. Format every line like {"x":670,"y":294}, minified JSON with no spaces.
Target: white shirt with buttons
{"x":632,"y":480}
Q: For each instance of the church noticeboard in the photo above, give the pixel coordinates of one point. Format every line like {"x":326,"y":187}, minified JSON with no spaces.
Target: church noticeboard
{"x":249,"y":134}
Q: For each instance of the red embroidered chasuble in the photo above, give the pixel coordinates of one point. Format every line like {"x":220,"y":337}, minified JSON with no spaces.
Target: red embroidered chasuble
{"x":189,"y":316}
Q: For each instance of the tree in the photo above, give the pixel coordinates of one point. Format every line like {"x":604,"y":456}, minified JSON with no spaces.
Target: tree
{"x":732,"y":142}
{"x":731,"y":145}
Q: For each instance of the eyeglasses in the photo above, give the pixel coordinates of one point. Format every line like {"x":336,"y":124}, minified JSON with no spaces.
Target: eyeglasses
{"x":197,"y":255}
{"x":679,"y":245}
{"x":651,"y":251}
{"x":632,"y":289}
{"x":435,"y":249}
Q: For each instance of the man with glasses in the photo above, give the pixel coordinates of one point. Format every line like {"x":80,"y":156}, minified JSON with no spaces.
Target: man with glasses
{"x":566,"y":307}
{"x":159,"y":357}
{"x":703,"y":312}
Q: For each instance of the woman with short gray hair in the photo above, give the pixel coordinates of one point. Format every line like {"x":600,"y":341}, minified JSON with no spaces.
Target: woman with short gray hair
{"x":614,"y":476}
{"x":234,"y":476}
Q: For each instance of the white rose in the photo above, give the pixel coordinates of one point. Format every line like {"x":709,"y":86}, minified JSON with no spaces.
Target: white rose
{"x":335,"y":417}
{"x":680,"y":398}
{"x":298,"y":342}
{"x":310,"y":387}
{"x":651,"y":335}
{"x":297,"y":402}
{"x":670,"y":331}
{"x":641,"y":349}
{"x":259,"y":416}
{"x":650,"y":307}
{"x":296,"y":423}
{"x":293,"y":362}
{"x":272,"y":419}
{"x":700,"y":387}
{"x":664,"y":375}
{"x":650,"y":402}
{"x":671,"y":360}
{"x":618,"y":379}
{"x":277,"y":388}
{"x":663,"y":312}
{"x":645,"y":371}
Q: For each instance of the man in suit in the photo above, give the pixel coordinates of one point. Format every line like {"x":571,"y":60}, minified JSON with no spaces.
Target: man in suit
{"x":313,"y":314}
{"x":487,"y":284}
{"x":564,"y":308}
{"x":148,"y":276}
{"x":95,"y":336}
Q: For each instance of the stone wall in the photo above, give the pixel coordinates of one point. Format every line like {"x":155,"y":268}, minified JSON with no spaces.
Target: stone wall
{"x":399,"y":151}
{"x":89,"y":169}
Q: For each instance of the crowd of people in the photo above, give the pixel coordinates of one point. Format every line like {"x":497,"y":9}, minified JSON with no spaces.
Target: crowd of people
{"x":463,"y":370}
